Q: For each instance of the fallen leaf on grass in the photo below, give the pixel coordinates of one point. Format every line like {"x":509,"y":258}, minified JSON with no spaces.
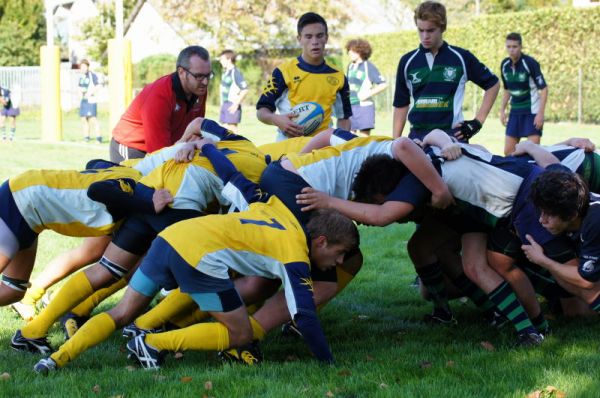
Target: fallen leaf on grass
{"x":344,"y":372}
{"x":158,"y":377}
{"x":548,"y":392}
{"x":291,"y":358}
{"x":425,"y":364}
{"x":208,"y":385}
{"x":449,"y":364}
{"x":370,"y":358}
{"x":122,"y":349}
{"x":130,"y":368}
{"x":383,"y":386}
{"x":178,"y":355}
{"x":329,"y":394}
{"x":96,"y":388}
{"x":5,"y":376}
{"x":186,"y":379}
{"x":488,"y":346}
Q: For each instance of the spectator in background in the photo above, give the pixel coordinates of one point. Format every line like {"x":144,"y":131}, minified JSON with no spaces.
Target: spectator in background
{"x":434,"y":77}
{"x":160,"y":113}
{"x":305,"y":78}
{"x":526,"y":88}
{"x":233,"y":90}
{"x":88,"y":108}
{"x":365,"y":81}
{"x":10,"y":109}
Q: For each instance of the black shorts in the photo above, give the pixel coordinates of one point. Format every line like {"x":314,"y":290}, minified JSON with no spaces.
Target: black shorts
{"x":119,"y":152}
{"x":138,"y":231}
{"x":503,"y":239}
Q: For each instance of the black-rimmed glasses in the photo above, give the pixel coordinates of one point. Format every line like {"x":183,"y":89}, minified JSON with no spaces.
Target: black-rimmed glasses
{"x":199,"y":76}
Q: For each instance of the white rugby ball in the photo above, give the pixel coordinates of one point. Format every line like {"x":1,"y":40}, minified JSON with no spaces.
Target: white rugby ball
{"x":309,"y":116}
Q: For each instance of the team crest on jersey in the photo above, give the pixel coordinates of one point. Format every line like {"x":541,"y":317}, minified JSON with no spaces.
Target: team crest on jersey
{"x":333,"y":80}
{"x":270,"y":87}
{"x":522,"y":77}
{"x":414,"y":78}
{"x":449,"y":74}
{"x":589,"y":266}
{"x":177,"y":107}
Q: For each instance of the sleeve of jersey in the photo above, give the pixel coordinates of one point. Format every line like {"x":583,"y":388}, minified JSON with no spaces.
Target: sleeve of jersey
{"x":156,"y":114}
{"x":305,"y":312}
{"x":401,"y":92}
{"x":272,"y":91}
{"x":589,"y":259}
{"x":119,"y":198}
{"x":345,"y":99}
{"x":536,"y":74}
{"x":478,"y":73}
{"x":239,"y":80}
{"x":237,"y":188}
{"x":409,"y":190}
{"x":214,"y":131}
{"x":374,"y":75}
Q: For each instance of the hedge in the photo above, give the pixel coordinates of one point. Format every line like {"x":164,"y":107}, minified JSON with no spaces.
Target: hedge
{"x":561,"y":39}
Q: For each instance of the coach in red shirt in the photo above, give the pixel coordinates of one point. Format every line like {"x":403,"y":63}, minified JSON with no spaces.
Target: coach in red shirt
{"x":158,"y":116}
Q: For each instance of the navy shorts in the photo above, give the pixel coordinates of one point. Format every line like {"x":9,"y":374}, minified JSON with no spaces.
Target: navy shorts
{"x":227,"y":117}
{"x":163,"y":267}
{"x":138,"y":231}
{"x":88,"y":110}
{"x":363,"y":117}
{"x":285,"y":185}
{"x":10,"y":214}
{"x":520,"y":126}
{"x":420,"y":134}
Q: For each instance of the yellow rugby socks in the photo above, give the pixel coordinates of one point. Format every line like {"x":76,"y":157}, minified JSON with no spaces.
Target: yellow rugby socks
{"x":175,"y":305}
{"x":77,"y":289}
{"x":86,"y":307}
{"x":93,"y":332}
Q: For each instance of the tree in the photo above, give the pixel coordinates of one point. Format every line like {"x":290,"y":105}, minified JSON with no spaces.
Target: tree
{"x":22,"y":31}
{"x":253,"y":26}
{"x":98,"y":30}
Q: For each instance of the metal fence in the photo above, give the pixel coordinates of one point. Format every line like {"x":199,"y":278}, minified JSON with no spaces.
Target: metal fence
{"x":26,"y":83}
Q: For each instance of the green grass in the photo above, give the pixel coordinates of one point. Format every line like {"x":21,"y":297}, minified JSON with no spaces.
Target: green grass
{"x":381,"y":346}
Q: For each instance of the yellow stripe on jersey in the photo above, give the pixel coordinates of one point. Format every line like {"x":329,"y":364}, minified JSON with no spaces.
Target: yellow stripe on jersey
{"x":69,"y":179}
{"x":268,"y":231}
{"x":57,"y":200}
{"x":303,"y":86}
{"x":195,"y":184}
{"x":277,"y":149}
{"x":332,"y":169}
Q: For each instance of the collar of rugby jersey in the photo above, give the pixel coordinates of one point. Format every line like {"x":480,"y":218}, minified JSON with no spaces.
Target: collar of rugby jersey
{"x":180,"y":94}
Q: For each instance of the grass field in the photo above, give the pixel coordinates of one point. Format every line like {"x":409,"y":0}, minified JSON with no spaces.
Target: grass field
{"x":381,"y":346}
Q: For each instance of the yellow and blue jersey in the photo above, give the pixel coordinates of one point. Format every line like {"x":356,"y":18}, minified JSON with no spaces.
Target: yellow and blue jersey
{"x":194,"y":185}
{"x":275,"y":150}
{"x":332,"y":169}
{"x":58,"y":199}
{"x":296,"y":81}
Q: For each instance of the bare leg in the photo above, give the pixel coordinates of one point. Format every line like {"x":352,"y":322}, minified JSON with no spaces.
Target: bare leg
{"x":19,"y":268}
{"x":534,"y":138}
{"x":509,"y":144}
{"x":85,"y":128}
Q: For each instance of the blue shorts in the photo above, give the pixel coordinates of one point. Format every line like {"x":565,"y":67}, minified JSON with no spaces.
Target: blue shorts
{"x":363,"y":117}
{"x":10,"y":214}
{"x":520,"y":126}
{"x":163,"y":267}
{"x":88,"y":110}
{"x":12,"y":112}
{"x":285,"y":185}
{"x":230,"y":118}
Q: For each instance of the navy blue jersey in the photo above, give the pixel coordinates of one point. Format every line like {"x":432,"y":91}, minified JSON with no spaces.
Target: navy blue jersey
{"x":436,"y":85}
{"x":523,"y":80}
{"x":587,"y":241}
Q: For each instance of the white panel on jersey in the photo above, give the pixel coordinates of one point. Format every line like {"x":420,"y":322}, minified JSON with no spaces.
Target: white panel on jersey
{"x":155,"y":159}
{"x":198,"y":188}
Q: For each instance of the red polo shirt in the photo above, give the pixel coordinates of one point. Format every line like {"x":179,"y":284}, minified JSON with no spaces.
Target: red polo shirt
{"x":158,"y":116}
